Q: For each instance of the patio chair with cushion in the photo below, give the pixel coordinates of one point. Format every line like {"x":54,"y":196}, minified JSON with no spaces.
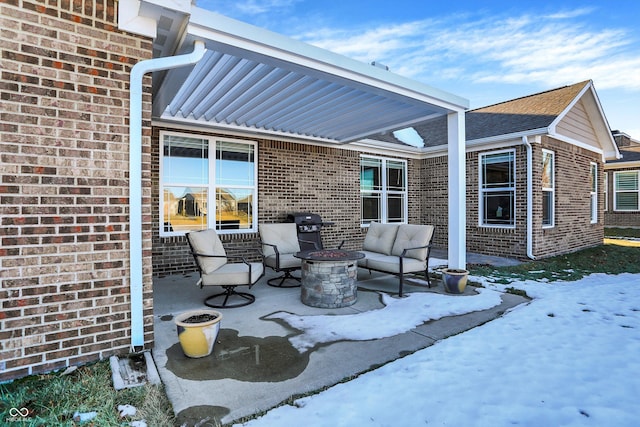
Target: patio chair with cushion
{"x":279,"y":244}
{"x":215,"y":270}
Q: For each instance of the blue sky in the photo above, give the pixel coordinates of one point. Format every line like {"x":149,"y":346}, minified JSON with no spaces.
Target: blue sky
{"x":485,"y":51}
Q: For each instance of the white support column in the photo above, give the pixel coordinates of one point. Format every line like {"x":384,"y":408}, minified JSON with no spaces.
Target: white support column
{"x":457,"y":245}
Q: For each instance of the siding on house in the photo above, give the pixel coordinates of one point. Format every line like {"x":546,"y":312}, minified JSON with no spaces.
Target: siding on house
{"x":577,"y":125}
{"x":64,"y":195}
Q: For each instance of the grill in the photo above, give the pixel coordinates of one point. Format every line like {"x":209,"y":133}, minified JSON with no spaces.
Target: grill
{"x":309,"y":226}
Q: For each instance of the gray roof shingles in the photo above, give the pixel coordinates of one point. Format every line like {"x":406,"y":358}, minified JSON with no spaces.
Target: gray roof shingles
{"x":517,"y":115}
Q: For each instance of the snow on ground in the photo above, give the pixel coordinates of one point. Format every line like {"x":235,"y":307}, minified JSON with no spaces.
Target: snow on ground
{"x":407,"y":313}
{"x":571,"y":357}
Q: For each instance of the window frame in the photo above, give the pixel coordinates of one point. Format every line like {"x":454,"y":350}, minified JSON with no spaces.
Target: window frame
{"x":481,"y":191}
{"x":605,"y":191}
{"x":212,"y":186}
{"x":551,"y":189}
{"x":384,"y":192}
{"x":616,"y":191}
{"x":593,"y":192}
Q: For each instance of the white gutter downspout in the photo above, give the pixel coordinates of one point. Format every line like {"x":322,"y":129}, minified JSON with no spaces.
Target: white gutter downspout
{"x":525,"y":141}
{"x":135,"y":178}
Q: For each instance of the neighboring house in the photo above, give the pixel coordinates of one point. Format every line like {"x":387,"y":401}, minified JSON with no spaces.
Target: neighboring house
{"x":534,"y":173}
{"x":108,"y":159}
{"x":622,"y":184}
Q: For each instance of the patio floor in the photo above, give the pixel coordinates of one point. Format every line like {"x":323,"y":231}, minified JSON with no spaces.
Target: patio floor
{"x":254,"y":366}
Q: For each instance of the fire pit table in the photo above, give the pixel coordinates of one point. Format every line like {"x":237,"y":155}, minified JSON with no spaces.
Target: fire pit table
{"x":329,"y":277}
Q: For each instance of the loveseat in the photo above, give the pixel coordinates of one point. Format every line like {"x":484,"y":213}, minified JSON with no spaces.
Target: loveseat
{"x":397,"y":249}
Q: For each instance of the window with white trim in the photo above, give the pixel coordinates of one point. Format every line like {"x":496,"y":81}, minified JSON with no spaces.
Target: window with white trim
{"x":593,"y":178}
{"x":207,"y":183}
{"x":548,"y":188}
{"x":497,"y":189}
{"x":383,"y":190}
{"x":606,"y":191}
{"x":626,"y":191}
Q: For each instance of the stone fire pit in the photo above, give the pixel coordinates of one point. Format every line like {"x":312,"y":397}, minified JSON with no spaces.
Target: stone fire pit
{"x":329,"y":277}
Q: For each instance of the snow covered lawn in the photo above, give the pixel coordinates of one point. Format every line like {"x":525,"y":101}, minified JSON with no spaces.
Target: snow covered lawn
{"x":571,"y":357}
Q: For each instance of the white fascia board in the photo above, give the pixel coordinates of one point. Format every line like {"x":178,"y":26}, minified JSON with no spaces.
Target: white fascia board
{"x":217,"y":28}
{"x":580,"y":144}
{"x":491,"y":143}
{"x":622,"y":165}
{"x":365,"y":146}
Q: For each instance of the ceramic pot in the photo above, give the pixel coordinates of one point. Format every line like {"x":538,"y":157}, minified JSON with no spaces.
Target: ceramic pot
{"x":454,"y":280}
{"x":197,"y":331}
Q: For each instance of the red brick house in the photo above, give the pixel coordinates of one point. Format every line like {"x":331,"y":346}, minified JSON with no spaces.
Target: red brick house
{"x":622,"y":184}
{"x":126,"y":123}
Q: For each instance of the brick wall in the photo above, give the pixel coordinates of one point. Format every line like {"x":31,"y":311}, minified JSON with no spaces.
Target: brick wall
{"x":64,"y":193}
{"x":573,"y":229}
{"x":292,"y":177}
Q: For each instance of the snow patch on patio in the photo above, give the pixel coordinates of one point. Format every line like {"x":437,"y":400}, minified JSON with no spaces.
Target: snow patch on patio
{"x":399,"y":315}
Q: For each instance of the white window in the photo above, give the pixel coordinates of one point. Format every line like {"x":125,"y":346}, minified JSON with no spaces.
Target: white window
{"x":207,"y":183}
{"x":497,"y":189}
{"x":383,"y":190}
{"x":626,"y":191}
{"x":593,"y":177}
{"x":548,"y":188}
{"x":606,"y":191}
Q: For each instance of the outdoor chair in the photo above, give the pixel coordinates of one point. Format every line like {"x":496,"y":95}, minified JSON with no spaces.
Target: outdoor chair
{"x":215,"y":270}
{"x":279,"y":244}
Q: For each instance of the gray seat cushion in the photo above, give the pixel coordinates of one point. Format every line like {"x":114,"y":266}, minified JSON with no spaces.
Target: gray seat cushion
{"x":233,"y":274}
{"x":391,"y":263}
{"x":286,"y":261}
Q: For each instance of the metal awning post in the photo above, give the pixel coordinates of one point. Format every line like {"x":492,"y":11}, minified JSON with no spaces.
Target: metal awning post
{"x":457,"y":245}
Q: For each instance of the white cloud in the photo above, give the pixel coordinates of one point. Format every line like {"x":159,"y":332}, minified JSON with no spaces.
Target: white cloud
{"x":560,"y":48}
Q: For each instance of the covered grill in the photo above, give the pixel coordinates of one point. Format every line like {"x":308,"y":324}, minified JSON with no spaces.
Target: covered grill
{"x":309,"y":226}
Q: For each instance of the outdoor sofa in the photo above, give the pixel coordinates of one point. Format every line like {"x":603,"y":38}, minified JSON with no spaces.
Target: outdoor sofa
{"x":397,"y":249}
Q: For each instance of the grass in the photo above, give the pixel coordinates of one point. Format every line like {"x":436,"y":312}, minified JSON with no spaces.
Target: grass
{"x":609,"y":259}
{"x":52,"y":400}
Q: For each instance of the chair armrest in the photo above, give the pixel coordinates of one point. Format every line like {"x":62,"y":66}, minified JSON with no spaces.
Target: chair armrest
{"x":275,"y":247}
{"x":404,"y":251}
{"x":210,"y":256}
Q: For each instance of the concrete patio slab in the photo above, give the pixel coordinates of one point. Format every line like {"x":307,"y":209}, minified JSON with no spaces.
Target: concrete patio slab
{"x":254,"y":367}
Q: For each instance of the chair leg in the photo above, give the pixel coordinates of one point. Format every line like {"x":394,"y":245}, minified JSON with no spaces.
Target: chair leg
{"x":229,"y":293}
{"x":286,"y":276}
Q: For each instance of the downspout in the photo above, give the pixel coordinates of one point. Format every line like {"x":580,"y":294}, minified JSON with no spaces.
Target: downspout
{"x":135,"y":178}
{"x":525,"y":141}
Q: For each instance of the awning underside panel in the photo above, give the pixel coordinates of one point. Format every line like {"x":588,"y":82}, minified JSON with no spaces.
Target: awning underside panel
{"x":240,"y":92}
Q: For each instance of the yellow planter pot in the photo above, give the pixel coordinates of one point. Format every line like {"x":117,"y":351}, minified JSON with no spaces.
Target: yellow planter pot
{"x":197,"y":338}
{"x":454,"y":281}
